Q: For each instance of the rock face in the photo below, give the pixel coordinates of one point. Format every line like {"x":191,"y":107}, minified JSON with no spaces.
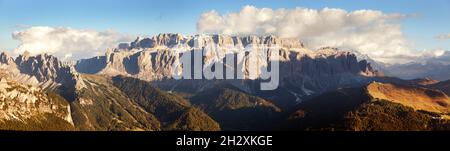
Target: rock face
{"x":25,"y":105}
{"x":6,"y":58}
{"x":153,"y":58}
{"x":172,"y":40}
{"x":43,"y":70}
{"x":311,"y":73}
{"x":303,"y":72}
{"x":27,"y":92}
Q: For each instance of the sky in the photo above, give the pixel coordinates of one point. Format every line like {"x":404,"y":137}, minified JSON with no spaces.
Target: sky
{"x":424,"y":25}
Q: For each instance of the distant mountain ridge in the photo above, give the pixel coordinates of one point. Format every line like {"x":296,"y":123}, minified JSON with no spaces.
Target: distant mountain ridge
{"x":41,"y":70}
{"x":434,"y":70}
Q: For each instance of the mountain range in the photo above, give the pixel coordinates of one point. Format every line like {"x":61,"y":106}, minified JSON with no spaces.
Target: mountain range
{"x":132,"y":88}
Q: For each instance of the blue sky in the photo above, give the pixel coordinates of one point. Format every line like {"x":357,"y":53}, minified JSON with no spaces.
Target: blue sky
{"x":146,"y":17}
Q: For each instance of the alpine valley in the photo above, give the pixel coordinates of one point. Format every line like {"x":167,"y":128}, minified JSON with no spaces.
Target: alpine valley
{"x":131,"y":88}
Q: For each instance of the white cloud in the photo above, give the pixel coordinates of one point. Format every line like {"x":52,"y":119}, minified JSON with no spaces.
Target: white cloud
{"x":434,"y":56}
{"x":443,"y":36}
{"x":66,"y":42}
{"x":371,"y":32}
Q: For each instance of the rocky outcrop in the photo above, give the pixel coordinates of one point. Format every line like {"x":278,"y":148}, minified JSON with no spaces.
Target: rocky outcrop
{"x":27,"y":86}
{"x":168,"y":40}
{"x":5,"y":58}
{"x":43,"y":70}
{"x":155,"y":59}
{"x":24,"y":104}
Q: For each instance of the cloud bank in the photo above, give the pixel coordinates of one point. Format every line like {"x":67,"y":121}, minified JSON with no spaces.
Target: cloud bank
{"x":65,"y":42}
{"x":370,"y":32}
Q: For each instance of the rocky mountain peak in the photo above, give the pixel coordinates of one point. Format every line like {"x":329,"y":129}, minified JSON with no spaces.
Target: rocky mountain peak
{"x":41,"y":70}
{"x":169,"y":40}
{"x":22,"y":102}
{"x":6,"y":58}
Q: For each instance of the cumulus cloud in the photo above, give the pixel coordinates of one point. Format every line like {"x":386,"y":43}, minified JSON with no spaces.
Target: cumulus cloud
{"x":443,"y":36}
{"x":370,"y":32}
{"x":65,"y":42}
